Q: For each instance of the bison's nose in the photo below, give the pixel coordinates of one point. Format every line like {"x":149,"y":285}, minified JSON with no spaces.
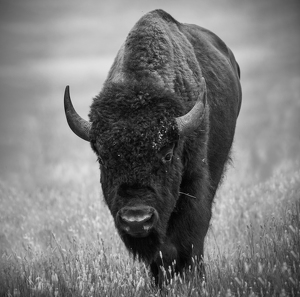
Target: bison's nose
{"x":138,"y":220}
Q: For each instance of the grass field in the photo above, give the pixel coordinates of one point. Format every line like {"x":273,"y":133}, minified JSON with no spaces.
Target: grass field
{"x":53,"y":246}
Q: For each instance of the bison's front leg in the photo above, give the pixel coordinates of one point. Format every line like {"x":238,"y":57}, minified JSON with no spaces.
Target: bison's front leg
{"x":186,"y":248}
{"x":164,"y":265}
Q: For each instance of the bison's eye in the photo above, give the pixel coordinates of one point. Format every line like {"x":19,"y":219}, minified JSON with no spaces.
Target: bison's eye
{"x":167,"y":157}
{"x":166,"y":154}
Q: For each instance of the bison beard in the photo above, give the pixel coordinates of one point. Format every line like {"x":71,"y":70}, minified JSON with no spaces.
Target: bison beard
{"x":145,"y":248}
{"x":162,"y":129}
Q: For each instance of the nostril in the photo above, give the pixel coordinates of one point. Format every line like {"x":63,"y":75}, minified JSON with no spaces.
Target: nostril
{"x":137,"y":221}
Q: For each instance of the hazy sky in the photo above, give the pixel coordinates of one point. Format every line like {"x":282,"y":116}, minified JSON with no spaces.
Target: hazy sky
{"x":46,"y":45}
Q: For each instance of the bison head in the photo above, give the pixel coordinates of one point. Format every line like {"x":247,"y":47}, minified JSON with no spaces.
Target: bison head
{"x":137,"y":133}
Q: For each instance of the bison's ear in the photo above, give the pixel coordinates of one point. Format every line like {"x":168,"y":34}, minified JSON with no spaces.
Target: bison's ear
{"x":77,"y":124}
{"x":190,"y":121}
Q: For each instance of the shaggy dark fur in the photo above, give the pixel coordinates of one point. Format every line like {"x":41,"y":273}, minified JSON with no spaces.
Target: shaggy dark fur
{"x":155,"y":78}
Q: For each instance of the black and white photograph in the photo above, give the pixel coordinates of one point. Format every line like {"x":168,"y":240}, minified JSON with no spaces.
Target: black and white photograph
{"x":149,"y":148}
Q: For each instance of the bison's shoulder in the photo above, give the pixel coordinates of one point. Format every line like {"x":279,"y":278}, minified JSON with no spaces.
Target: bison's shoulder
{"x":198,"y":36}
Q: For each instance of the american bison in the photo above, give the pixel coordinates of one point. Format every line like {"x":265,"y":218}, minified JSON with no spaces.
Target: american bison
{"x":162,"y":128}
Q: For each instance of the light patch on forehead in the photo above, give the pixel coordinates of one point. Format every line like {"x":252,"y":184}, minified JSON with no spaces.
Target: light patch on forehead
{"x":161,"y":137}
{"x":157,"y":142}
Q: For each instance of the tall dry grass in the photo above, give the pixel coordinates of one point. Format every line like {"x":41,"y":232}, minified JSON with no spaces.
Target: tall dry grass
{"x":53,"y":246}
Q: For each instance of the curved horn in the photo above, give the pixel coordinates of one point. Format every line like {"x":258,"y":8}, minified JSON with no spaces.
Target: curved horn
{"x":190,"y":121}
{"x":77,"y":124}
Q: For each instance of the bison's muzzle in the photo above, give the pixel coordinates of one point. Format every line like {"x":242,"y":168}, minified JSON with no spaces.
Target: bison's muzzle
{"x":137,"y":221}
